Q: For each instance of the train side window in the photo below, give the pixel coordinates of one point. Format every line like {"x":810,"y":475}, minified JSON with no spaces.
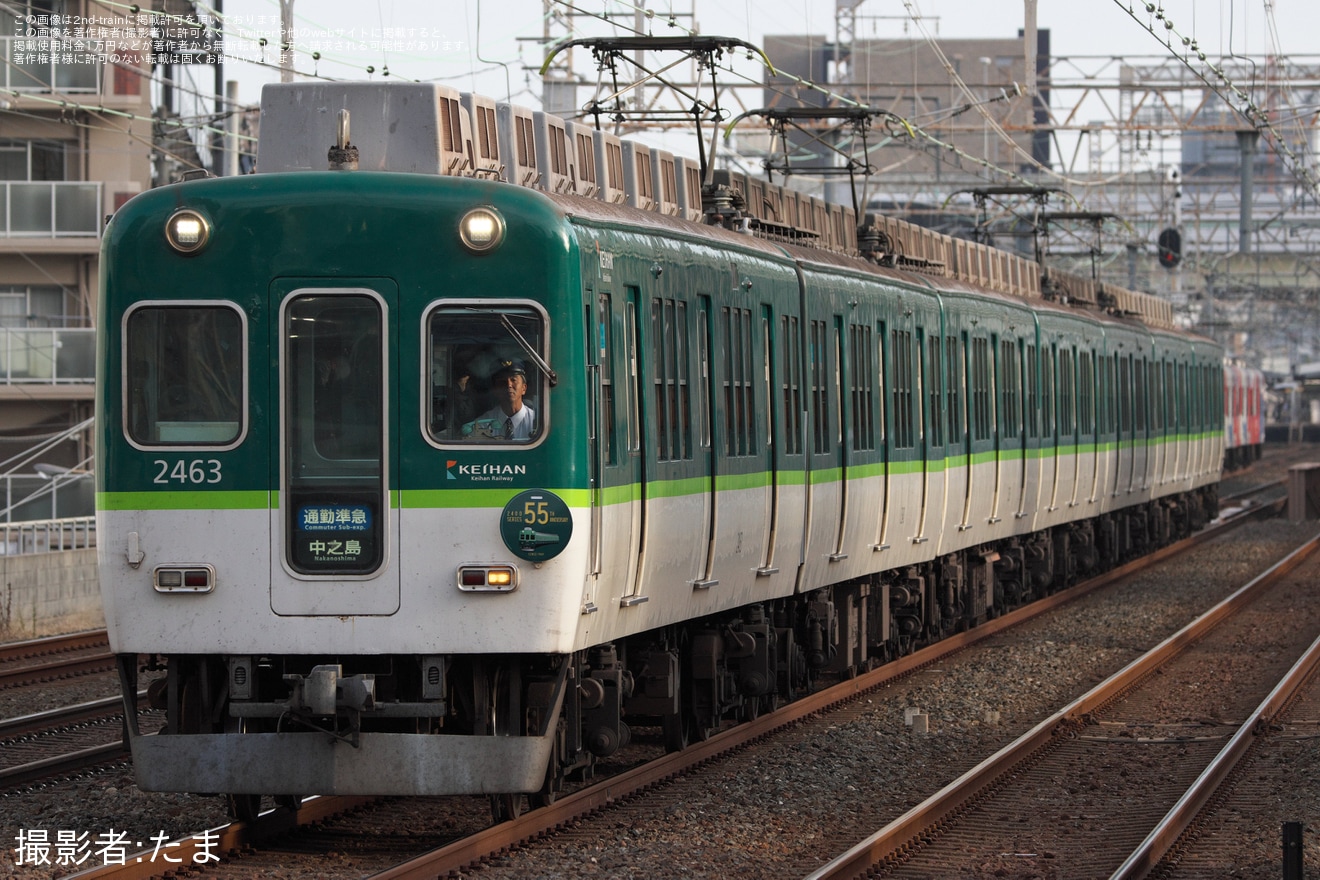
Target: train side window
{"x":791,"y":345}
{"x":1171,"y":396}
{"x":669,"y":356}
{"x":631,"y":378}
{"x":185,"y":376}
{"x":1048,"y":426}
{"x":980,"y":388}
{"x":1032,"y":381}
{"x":1139,"y":386}
{"x":1010,"y":386}
{"x":837,"y":342}
{"x":1155,"y":377}
{"x":1185,"y":408}
{"x":1085,"y":394}
{"x":740,"y":420}
{"x":934,"y":391}
{"x":819,"y":392}
{"x":954,"y":352}
{"x":487,"y":382}
{"x":903,"y":382}
{"x":1067,"y":392}
{"x":862,"y":381}
{"x":1102,"y":394}
{"x":1124,"y":396}
{"x":767,"y":379}
{"x":605,"y":340}
{"x":703,"y":370}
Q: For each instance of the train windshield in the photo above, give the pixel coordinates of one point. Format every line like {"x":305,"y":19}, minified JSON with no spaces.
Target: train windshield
{"x":184,"y":379}
{"x":486,"y":383}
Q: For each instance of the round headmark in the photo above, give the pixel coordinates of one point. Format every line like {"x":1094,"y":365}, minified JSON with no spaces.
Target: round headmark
{"x":536,"y":525}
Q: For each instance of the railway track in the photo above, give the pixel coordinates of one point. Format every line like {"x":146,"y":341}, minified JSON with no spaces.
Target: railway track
{"x":38,"y":661}
{"x":61,"y":741}
{"x":1241,"y":830}
{"x":479,"y":846}
{"x":1142,"y":752}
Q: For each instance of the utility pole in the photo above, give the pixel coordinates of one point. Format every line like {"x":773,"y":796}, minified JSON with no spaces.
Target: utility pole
{"x":1029,"y":46}
{"x":286,"y":41}
{"x":1247,"y":145}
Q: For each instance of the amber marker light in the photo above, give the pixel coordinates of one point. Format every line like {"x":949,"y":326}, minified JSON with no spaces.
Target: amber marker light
{"x":187,"y":231}
{"x":487,"y":578}
{"x":481,"y":229}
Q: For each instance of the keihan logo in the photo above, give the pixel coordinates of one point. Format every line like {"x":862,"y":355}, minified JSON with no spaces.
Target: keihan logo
{"x":480,"y":471}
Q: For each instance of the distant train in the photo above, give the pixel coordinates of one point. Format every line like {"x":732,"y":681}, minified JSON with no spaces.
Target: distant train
{"x":437,"y":475}
{"x":1244,"y":415}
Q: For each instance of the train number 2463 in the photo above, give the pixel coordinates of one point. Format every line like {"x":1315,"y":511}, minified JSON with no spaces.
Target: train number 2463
{"x":198,"y":470}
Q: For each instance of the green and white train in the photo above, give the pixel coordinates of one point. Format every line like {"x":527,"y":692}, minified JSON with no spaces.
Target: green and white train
{"x":753,"y":452}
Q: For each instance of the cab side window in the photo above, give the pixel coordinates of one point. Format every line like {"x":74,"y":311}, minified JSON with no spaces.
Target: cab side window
{"x":184,"y":378}
{"x":486,"y":384}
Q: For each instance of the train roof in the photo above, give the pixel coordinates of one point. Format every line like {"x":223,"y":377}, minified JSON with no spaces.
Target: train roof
{"x":622,"y":214}
{"x":429,"y":128}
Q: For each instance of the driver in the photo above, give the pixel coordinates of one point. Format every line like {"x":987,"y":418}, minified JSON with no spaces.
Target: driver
{"x":511,"y":419}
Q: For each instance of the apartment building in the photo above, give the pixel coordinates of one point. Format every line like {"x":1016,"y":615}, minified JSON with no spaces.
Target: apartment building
{"x":75,"y":143}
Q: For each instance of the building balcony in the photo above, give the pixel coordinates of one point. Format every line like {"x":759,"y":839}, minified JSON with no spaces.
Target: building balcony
{"x":51,"y":216}
{"x":46,"y":65}
{"x":49,"y":363}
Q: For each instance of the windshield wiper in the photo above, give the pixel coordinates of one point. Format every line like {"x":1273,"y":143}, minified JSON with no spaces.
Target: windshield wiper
{"x":529,"y":351}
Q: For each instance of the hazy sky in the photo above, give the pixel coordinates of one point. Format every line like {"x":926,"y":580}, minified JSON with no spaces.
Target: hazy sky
{"x":464,"y":42}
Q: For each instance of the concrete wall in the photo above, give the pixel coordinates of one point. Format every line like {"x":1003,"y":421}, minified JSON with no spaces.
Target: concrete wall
{"x":46,"y":593}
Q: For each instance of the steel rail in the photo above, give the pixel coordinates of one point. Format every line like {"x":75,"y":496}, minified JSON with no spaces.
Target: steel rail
{"x":63,"y":716}
{"x":14,"y":651}
{"x":56,"y":669}
{"x":972,"y":785}
{"x":54,"y":719}
{"x":58,"y":765}
{"x":1164,"y":836}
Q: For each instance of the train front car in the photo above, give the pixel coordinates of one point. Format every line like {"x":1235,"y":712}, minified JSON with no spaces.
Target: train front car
{"x":340,"y":479}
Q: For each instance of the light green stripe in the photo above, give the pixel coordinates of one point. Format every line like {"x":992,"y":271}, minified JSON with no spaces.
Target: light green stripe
{"x":457,"y":498}
{"x":679,"y":488}
{"x":621,"y":494}
{"x":730,"y":482}
{"x":826,"y":475}
{"x":201,"y":500}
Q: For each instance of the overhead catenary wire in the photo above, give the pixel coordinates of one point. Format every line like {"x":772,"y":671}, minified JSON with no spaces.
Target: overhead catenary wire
{"x":1195,"y":59}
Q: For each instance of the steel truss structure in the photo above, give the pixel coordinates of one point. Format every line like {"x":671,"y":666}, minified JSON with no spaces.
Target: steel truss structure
{"x":1141,"y":138}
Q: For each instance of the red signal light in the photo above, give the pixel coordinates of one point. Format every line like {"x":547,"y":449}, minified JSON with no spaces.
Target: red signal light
{"x":1170,"y":248}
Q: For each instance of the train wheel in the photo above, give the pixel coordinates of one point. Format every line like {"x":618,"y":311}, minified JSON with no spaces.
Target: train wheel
{"x":243,"y":807}
{"x":548,"y":794}
{"x":674,"y":728}
{"x":505,"y":807}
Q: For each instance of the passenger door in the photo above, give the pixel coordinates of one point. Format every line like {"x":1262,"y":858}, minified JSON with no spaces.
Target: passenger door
{"x":616,"y":503}
{"x":333,"y":531}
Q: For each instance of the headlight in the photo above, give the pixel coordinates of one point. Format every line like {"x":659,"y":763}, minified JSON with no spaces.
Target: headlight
{"x":482,"y":230}
{"x":187,"y":231}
